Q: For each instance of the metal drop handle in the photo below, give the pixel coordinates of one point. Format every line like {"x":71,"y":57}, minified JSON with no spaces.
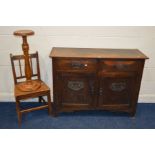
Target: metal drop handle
{"x":78,"y":65}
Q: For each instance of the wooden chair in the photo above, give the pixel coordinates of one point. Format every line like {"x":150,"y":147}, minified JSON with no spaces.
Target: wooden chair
{"x":22,"y":95}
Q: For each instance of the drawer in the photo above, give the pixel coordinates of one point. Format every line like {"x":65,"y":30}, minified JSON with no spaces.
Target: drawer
{"x":76,"y":65}
{"x":120,"y":65}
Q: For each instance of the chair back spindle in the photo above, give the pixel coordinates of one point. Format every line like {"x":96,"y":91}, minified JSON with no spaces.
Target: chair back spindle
{"x":19,"y":68}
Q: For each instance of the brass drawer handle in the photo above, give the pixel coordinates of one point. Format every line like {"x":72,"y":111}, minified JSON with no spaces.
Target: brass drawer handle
{"x":78,"y":65}
{"x":75,"y":85}
{"x":120,"y":66}
{"x":118,"y":87}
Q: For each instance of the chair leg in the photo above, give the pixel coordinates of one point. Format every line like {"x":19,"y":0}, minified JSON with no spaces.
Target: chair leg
{"x":49,"y":104}
{"x":19,"y":115}
{"x":39,"y":99}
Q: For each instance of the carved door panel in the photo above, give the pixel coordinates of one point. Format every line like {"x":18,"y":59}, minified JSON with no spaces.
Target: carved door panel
{"x":116,"y":89}
{"x":77,"y":89}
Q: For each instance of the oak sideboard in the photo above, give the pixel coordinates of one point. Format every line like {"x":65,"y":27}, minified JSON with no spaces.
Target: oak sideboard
{"x":96,"y":79}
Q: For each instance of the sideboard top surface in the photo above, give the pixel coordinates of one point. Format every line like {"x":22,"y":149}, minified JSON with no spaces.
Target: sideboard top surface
{"x":97,"y":53}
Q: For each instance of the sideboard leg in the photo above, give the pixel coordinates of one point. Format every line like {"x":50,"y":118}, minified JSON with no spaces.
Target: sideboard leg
{"x":55,"y":112}
{"x":132,"y":113}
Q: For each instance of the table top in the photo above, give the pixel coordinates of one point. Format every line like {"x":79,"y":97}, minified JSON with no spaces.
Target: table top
{"x":24,"y":33}
{"x":97,"y":53}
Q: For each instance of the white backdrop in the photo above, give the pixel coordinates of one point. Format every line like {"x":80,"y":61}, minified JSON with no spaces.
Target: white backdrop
{"x":45,"y":38}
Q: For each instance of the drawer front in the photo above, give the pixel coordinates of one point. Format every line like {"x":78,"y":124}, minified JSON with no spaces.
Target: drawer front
{"x":76,"y":65}
{"x":120,"y":65}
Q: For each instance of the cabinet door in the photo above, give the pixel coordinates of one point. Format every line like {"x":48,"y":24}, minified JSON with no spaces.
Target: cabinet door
{"x":76,"y":90}
{"x":116,"y":89}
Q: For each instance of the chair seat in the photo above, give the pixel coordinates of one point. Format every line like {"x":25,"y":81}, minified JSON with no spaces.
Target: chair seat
{"x":25,"y":95}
